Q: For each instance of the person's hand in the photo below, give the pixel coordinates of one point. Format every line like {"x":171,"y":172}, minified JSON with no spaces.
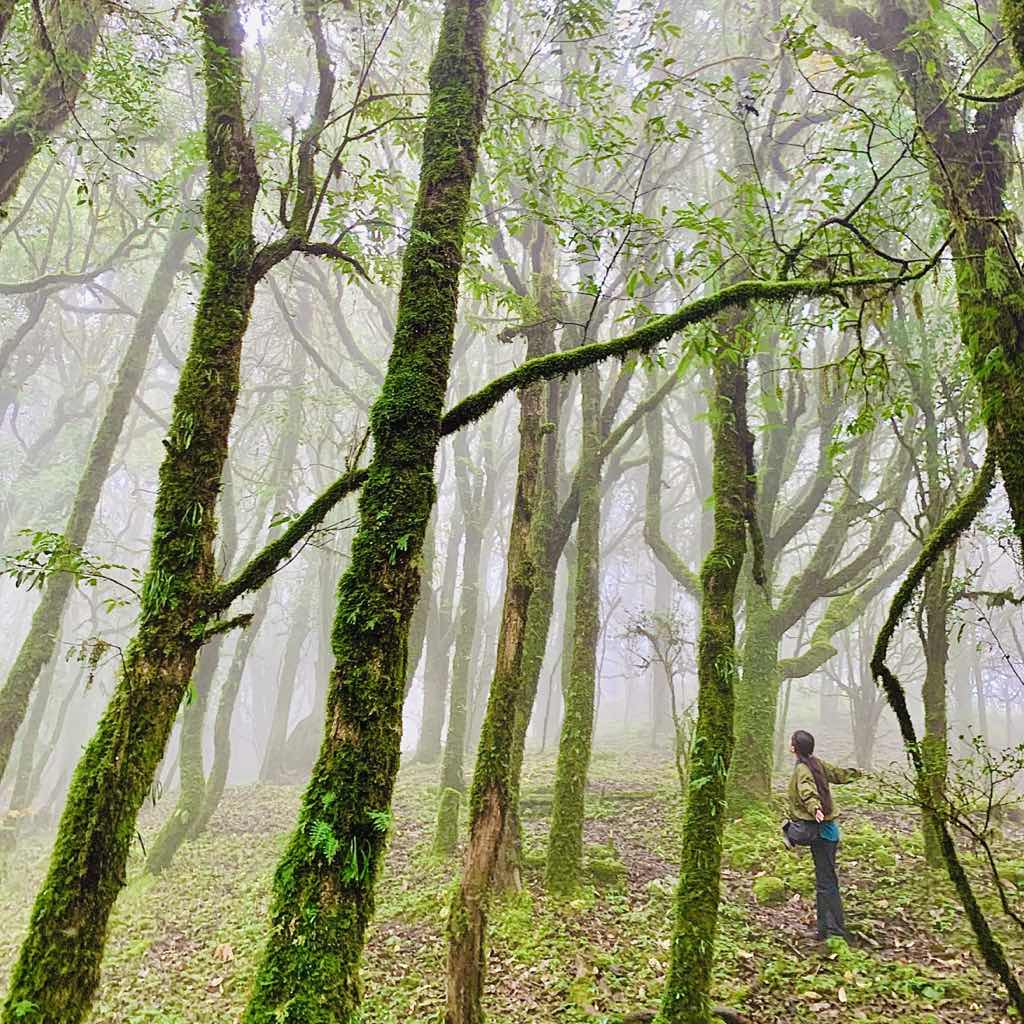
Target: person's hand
{"x":819,"y":815}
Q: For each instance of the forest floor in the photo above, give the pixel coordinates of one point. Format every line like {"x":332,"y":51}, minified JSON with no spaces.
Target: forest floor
{"x":183,"y":946}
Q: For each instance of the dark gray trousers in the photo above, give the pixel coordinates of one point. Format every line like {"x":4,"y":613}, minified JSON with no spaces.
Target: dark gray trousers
{"x":829,"y":902}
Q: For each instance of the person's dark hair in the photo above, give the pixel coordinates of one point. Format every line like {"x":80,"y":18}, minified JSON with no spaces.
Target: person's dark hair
{"x":803,"y":744}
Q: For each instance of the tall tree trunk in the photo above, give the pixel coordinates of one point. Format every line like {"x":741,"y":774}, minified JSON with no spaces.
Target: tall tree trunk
{"x":220,"y":765}
{"x":190,"y":764}
{"x":491,"y":791}
{"x":435,"y":673}
{"x":57,"y":970}
{"x":272,"y":768}
{"x":40,"y":643}
{"x":935,"y":742}
{"x":565,"y":841}
{"x":757,"y":697}
{"x":686,"y":998}
{"x":324,"y":886}
{"x":453,"y":782}
{"x":66,"y":35}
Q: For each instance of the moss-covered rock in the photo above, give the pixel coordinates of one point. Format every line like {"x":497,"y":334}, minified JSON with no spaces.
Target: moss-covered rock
{"x":604,"y":865}
{"x":769,"y":890}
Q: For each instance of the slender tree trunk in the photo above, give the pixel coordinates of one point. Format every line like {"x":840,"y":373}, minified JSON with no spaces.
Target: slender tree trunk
{"x":565,"y":841}
{"x":220,"y":765}
{"x":190,"y":764}
{"x":272,"y":769}
{"x":40,"y":644}
{"x":686,"y":998}
{"x":30,"y":752}
{"x":935,"y":743}
{"x":57,"y":970}
{"x":421,"y":613}
{"x":453,"y":782}
{"x":435,"y":675}
{"x":57,"y":67}
{"x":324,"y":886}
{"x":491,"y":792}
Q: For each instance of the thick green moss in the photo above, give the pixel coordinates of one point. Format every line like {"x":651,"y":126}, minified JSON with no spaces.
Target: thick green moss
{"x":324,"y":885}
{"x":769,"y":890}
{"x":58,"y":967}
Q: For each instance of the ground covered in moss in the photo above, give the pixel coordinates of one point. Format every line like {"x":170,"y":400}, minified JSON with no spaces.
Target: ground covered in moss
{"x":184,"y":945}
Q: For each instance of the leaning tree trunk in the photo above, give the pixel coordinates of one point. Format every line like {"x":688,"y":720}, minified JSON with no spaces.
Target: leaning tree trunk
{"x":565,"y":840}
{"x":57,"y":68}
{"x":490,"y":794}
{"x":190,"y":764}
{"x":324,"y":886}
{"x":220,"y":765}
{"x":40,"y":644}
{"x":686,"y":998}
{"x":57,"y":970}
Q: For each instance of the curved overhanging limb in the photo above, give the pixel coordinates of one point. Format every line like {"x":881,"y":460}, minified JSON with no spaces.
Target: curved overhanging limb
{"x":959,"y":518}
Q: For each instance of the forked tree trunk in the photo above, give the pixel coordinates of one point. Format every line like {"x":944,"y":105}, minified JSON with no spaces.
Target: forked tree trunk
{"x":324,"y":886}
{"x":57,"y":970}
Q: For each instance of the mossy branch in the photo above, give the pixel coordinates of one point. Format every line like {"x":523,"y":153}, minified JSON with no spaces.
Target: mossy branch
{"x":660,"y":329}
{"x":944,"y":536}
{"x":470,"y":409}
{"x":958,"y":519}
{"x":1010,"y":91}
{"x":226,"y":626}
{"x":264,"y":564}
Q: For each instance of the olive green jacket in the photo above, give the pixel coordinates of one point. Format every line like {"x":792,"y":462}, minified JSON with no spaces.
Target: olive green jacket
{"x":804,"y":801}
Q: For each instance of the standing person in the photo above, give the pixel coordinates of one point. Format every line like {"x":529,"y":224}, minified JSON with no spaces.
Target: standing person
{"x":810,"y":801}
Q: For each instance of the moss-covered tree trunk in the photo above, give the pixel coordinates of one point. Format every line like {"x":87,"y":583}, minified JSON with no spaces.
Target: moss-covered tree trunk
{"x":686,"y":998}
{"x":453,"y":782}
{"x":491,"y":791}
{"x":545,"y":544}
{"x":40,"y":643}
{"x":57,"y":970}
{"x":935,"y":742}
{"x":757,"y":691}
{"x":324,"y":885}
{"x":565,"y":839}
{"x":66,"y":35}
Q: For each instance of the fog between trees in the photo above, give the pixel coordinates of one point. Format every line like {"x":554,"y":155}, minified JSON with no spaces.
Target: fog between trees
{"x":547,"y":408}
